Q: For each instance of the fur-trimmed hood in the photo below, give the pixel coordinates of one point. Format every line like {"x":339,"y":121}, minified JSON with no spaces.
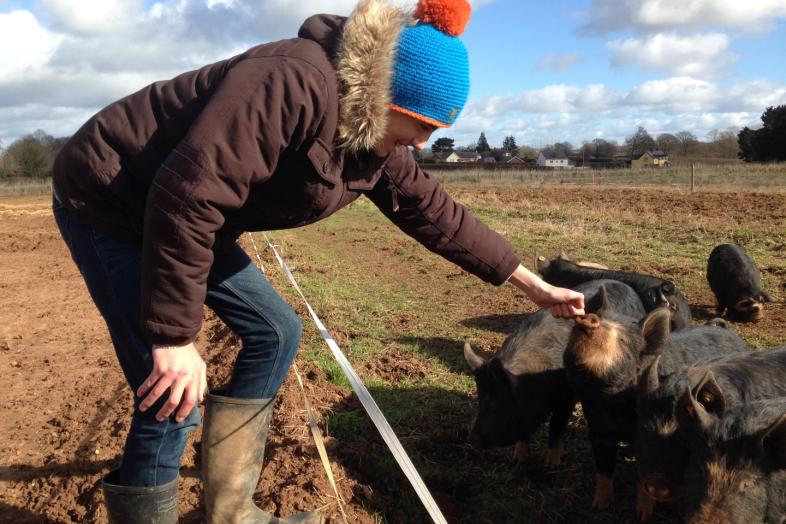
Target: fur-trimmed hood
{"x":364,"y":49}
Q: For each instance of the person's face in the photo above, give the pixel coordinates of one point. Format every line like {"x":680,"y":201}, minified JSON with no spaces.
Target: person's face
{"x":405,"y":131}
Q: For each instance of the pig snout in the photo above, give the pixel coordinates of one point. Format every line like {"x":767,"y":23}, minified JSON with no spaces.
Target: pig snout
{"x":659,"y":489}
{"x":588,"y":323}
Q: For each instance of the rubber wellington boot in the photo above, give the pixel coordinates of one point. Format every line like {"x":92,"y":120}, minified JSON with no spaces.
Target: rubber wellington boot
{"x":233,"y":448}
{"x":138,"y":504}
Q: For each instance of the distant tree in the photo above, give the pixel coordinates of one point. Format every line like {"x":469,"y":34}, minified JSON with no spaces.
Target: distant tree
{"x":28,"y":157}
{"x":565,"y":148}
{"x":746,"y":139}
{"x":723,"y":143}
{"x":767,"y":143}
{"x":483,"y":144}
{"x":509,"y":145}
{"x":33,"y":154}
{"x":528,"y":153}
{"x":667,"y":142}
{"x":773,"y":134}
{"x":687,"y":140}
{"x":599,"y":148}
{"x":639,"y":142}
{"x":443,"y":145}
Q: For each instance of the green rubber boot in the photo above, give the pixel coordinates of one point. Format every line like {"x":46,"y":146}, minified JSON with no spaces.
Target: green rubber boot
{"x":233,"y":448}
{"x":140,"y":505}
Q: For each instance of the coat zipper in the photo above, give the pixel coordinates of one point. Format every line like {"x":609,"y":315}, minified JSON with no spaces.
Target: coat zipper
{"x":394,"y":196}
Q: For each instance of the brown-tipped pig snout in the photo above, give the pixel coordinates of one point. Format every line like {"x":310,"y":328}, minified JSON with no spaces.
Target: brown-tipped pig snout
{"x":589,"y":322}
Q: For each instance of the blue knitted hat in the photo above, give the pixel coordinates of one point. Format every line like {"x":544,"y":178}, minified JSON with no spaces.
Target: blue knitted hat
{"x":431,"y":71}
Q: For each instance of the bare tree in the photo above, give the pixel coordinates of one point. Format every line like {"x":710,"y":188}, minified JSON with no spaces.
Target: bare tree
{"x":686,"y":140}
{"x":667,"y":142}
{"x":639,"y":142}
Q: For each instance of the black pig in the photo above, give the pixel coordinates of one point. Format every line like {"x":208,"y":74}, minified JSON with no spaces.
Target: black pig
{"x":604,"y":357}
{"x":525,"y":383}
{"x":736,"y":282}
{"x":737,"y":468}
{"x":654,"y":292}
{"x":718,"y":384}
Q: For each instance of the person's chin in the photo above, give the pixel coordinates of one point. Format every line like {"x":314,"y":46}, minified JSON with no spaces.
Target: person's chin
{"x":383,"y":151}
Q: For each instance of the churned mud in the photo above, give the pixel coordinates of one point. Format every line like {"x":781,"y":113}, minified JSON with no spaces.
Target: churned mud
{"x":64,"y":406}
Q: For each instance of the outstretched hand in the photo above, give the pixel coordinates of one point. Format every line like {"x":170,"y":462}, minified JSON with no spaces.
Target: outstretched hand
{"x":181,"y":370}
{"x":563,"y":303}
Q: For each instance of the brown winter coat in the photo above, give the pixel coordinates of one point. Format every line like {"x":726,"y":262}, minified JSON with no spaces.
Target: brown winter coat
{"x":277,"y":137}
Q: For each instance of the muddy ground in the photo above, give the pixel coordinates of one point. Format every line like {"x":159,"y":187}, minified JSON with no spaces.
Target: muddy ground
{"x":64,"y":405}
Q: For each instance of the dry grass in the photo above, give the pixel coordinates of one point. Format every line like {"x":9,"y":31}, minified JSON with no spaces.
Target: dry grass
{"x":25,"y":186}
{"x":714,"y":177}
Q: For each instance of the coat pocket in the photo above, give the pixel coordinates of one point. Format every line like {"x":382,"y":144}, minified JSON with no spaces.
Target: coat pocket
{"x":323,"y":162}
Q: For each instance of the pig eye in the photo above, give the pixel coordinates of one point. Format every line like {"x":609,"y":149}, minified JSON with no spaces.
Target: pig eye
{"x":706,"y":398}
{"x":747,"y":484}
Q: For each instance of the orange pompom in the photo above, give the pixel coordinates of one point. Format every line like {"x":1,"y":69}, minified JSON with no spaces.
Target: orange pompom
{"x":449,"y":16}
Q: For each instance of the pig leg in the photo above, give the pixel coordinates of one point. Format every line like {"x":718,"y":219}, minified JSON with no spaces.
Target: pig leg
{"x":645,"y":505}
{"x":521,"y":452}
{"x":557,"y":426}
{"x":605,"y":451}
{"x":604,"y":492}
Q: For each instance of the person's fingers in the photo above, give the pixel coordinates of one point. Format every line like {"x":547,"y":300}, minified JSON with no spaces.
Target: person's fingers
{"x":575,"y":312}
{"x":189,"y":399}
{"x":155,"y":392}
{"x":175,"y":395}
{"x":148,"y":383}
{"x":203,"y":384}
{"x":577,"y":301}
{"x":556,"y":311}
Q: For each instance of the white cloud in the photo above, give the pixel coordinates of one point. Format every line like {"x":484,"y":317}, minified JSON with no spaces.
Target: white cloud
{"x":25,"y":46}
{"x":576,"y":113}
{"x":677,"y":94}
{"x":698,"y":56}
{"x":607,"y":16}
{"x":557,"y":61}
{"x":92,"y":16}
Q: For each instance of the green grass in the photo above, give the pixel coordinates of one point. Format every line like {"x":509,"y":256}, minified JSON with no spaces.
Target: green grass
{"x":401,"y":315}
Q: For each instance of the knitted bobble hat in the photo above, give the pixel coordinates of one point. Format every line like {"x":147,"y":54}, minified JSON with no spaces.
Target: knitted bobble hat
{"x":431,"y":70}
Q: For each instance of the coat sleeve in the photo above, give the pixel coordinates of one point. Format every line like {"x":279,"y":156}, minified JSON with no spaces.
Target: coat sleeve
{"x":414,"y":201}
{"x":261,"y":107}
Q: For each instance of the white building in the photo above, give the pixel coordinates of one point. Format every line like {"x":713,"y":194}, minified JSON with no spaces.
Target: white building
{"x":554,"y":160}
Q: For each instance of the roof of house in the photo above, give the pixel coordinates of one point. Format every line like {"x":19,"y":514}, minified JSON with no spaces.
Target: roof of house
{"x":655,"y":154}
{"x":467,"y":154}
{"x":554,"y":155}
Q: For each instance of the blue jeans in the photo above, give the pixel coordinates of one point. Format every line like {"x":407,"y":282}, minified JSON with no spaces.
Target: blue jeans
{"x":237,"y":292}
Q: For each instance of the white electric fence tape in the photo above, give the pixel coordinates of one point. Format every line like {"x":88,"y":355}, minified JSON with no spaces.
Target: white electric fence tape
{"x":367,"y":400}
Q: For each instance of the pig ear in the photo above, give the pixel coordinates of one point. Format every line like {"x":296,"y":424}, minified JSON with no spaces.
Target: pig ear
{"x":540,"y":264}
{"x":598,"y":301}
{"x":649,"y":381}
{"x":668,"y":288}
{"x":474,"y":360}
{"x":656,"y":331}
{"x":563,"y":256}
{"x":710,"y":396}
{"x":690,"y":414}
{"x":773,"y":442}
{"x":717,"y":322}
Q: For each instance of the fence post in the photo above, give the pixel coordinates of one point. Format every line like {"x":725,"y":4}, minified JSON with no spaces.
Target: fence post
{"x":692,"y":176}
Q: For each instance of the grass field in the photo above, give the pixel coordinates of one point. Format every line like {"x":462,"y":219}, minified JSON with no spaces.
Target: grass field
{"x":706,"y":176}
{"x":401,"y":315}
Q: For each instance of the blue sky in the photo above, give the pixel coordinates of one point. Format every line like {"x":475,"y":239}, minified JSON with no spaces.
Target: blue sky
{"x":540,"y":71}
